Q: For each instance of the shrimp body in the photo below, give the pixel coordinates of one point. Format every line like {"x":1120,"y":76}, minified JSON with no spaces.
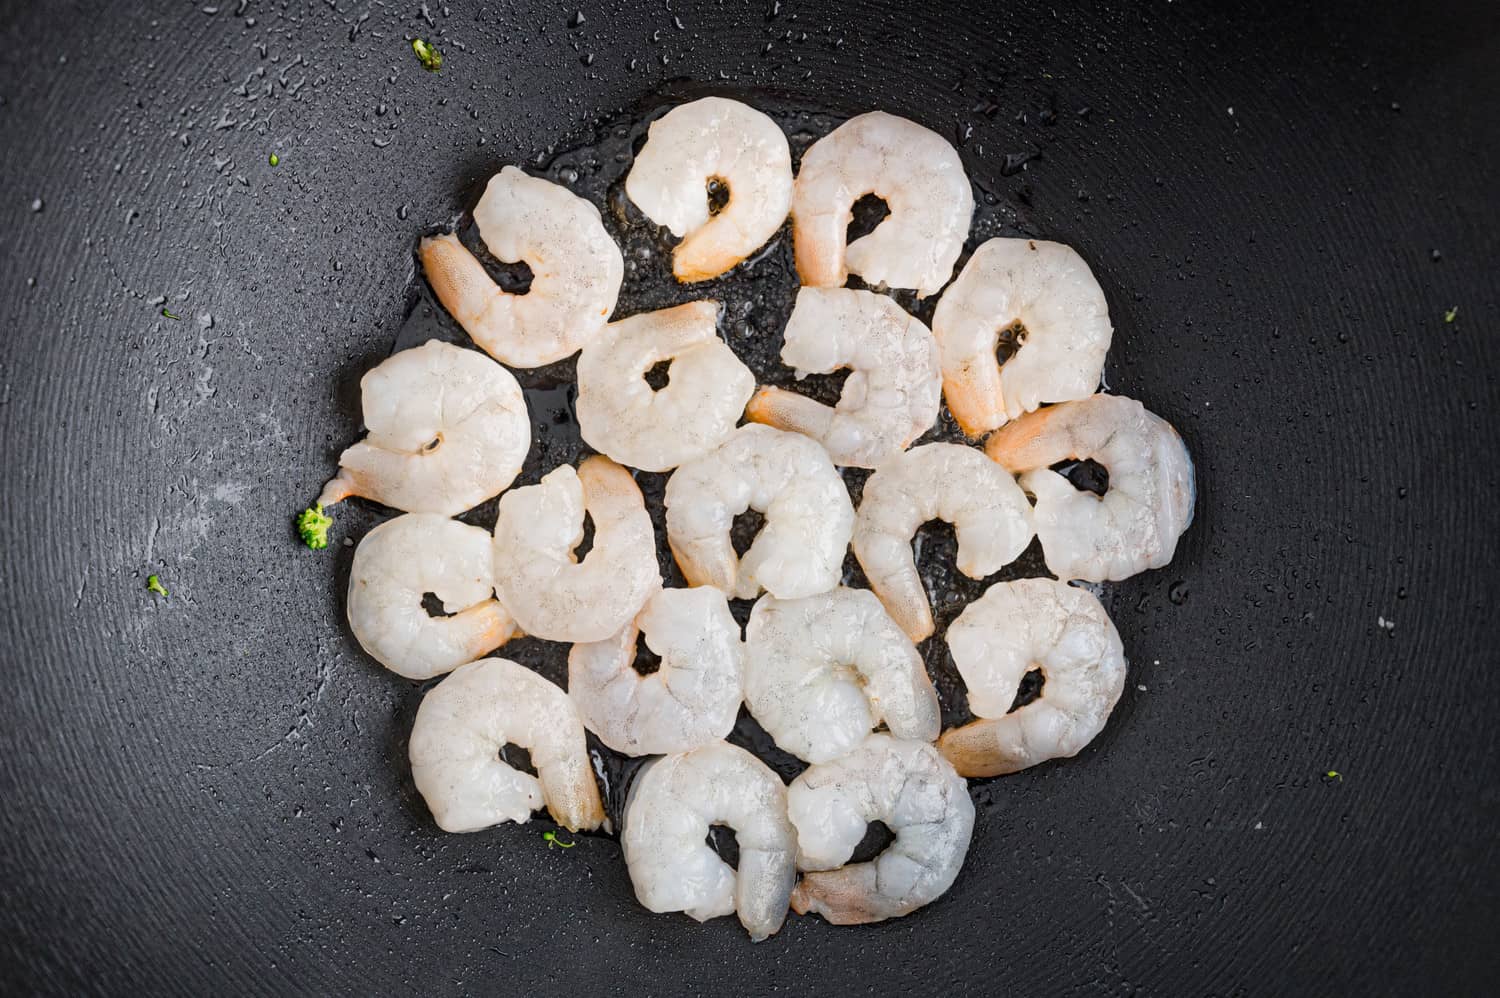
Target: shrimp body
{"x":788,"y":478}
{"x":674,"y":802}
{"x":549,"y":592}
{"x":691,"y":700}
{"x":905,"y":784}
{"x":892,"y":394}
{"x":403,"y":559}
{"x":576,"y":271}
{"x":822,"y":671}
{"x":1016,"y":627}
{"x":620,"y":414}
{"x":447,"y":430}
{"x":920,"y":177}
{"x":466,"y":720}
{"x":709,"y":140}
{"x":950,"y":482}
{"x":1148,"y":502}
{"x":1044,"y":293}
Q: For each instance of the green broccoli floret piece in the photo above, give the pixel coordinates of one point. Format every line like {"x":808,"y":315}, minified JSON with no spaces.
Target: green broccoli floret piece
{"x":312,"y":527}
{"x":153,"y":584}
{"x":427,"y":54}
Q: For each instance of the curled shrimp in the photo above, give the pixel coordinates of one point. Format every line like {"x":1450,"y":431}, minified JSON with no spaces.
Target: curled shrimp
{"x":690,"y":700}
{"x":621,"y":415}
{"x":890,"y":398}
{"x":1016,"y":627}
{"x":1044,"y":296}
{"x":950,"y":482}
{"x":399,"y":562}
{"x":822,"y":671}
{"x":788,"y":478}
{"x":466,"y":720}
{"x":549,"y":592}
{"x":676,"y":799}
{"x":447,"y":430}
{"x":912,"y":789}
{"x":918,"y":174}
{"x":1147,"y":503}
{"x":713,"y":140}
{"x":576,"y":271}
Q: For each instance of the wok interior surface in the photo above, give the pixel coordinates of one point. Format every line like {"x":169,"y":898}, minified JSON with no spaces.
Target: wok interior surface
{"x":1282,"y":202}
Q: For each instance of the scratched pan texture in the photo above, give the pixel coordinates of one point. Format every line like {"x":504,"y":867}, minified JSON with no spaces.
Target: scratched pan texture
{"x":208,"y":793}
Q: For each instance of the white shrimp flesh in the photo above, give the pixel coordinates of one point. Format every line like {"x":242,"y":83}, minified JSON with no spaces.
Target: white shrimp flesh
{"x":1017,"y":627}
{"x":465,"y":722}
{"x":676,"y":799}
{"x":576,"y":270}
{"x":401,"y":561}
{"x":912,"y":789}
{"x":551,"y":594}
{"x":922,"y":181}
{"x":447,"y":430}
{"x":1039,"y":295}
{"x":822,"y":671}
{"x":713,"y":141}
{"x":786,"y":477}
{"x":991,"y":520}
{"x":892,"y":394}
{"x":621,"y":415}
{"x":1147,"y":501}
{"x":690,"y":700}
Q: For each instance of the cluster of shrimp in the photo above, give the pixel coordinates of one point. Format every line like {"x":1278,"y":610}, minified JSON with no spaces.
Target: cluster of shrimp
{"x":833,"y":674}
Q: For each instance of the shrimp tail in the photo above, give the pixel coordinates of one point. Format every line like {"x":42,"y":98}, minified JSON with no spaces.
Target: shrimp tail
{"x":339,"y":487}
{"x":789,"y":411}
{"x":701,"y":256}
{"x":845,"y":896}
{"x":986,"y":747}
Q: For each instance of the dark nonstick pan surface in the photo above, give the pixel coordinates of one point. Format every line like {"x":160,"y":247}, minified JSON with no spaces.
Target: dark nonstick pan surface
{"x":210,"y":794}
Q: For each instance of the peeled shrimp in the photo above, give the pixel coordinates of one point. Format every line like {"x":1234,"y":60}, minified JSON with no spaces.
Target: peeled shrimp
{"x":890,"y":398}
{"x":1016,"y":627}
{"x":674,"y":802}
{"x":708,"y":140}
{"x":468,"y":718}
{"x":1046,"y":294}
{"x":950,"y":482}
{"x":788,"y":478}
{"x":822,"y":671}
{"x":1148,"y":502}
{"x":400,"y":561}
{"x":576,"y":271}
{"x":918,"y":174}
{"x":656,"y":430}
{"x":913,"y":790}
{"x":447,"y":430}
{"x":549,"y":592}
{"x":691,"y":700}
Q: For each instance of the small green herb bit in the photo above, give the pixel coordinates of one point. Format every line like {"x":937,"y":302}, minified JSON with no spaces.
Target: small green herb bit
{"x":275,"y":159}
{"x":312,"y":527}
{"x":1451,"y":314}
{"x":169,"y":315}
{"x":1334,"y":774}
{"x":552,"y":840}
{"x":427,"y":54}
{"x":153,"y":584}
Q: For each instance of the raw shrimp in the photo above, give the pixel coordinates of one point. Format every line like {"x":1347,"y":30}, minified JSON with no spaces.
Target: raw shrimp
{"x":918,"y":174}
{"x":821,"y":671}
{"x":656,"y":430}
{"x":576,"y":270}
{"x":708,"y":141}
{"x":550,"y":593}
{"x":464,"y":723}
{"x":1146,"y":506}
{"x":1016,"y":627}
{"x":1044,"y":296}
{"x":912,"y":789}
{"x":400,"y":561}
{"x":891,"y":396}
{"x":691,"y":700}
{"x":447,"y":430}
{"x":674,"y":802}
{"x":787,"y":477}
{"x":989,"y":512}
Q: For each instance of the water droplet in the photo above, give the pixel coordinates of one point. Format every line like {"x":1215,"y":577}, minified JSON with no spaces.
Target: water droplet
{"x":1436,"y":256}
{"x":576,"y":21}
{"x":38,"y":204}
{"x":403,"y":212}
{"x":380,"y":110}
{"x":588,"y":59}
{"x":1178,"y":592}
